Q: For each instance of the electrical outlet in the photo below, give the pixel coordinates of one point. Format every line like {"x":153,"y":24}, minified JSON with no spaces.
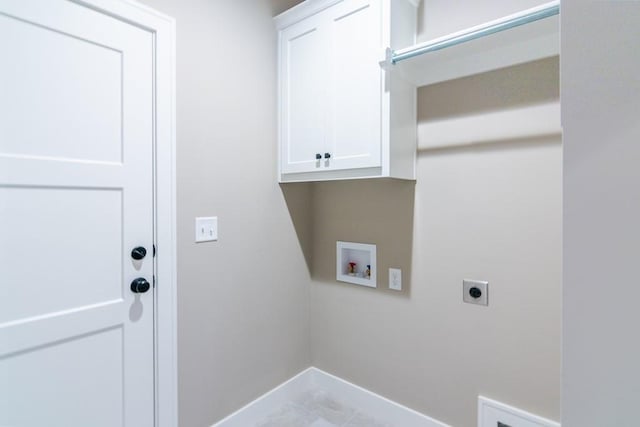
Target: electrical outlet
{"x":475,"y":292}
{"x":395,"y":279}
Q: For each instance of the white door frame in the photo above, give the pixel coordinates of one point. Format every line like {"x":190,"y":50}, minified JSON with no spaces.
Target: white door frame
{"x":163,"y":29}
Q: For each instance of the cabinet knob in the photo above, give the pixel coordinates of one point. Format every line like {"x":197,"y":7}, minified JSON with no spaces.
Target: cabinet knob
{"x":327,"y":155}
{"x":318,"y":156}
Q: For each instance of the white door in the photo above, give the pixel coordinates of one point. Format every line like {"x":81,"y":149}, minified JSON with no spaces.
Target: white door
{"x":355,"y":84}
{"x":303,"y":63}
{"x":76,"y":177}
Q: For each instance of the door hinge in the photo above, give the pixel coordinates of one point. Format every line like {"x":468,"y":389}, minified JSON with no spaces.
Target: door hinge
{"x":154,"y":250}
{"x":154,"y":281}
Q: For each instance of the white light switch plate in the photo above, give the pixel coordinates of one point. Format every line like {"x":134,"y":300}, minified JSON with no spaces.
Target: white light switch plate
{"x":395,"y":279}
{"x":206,"y":229}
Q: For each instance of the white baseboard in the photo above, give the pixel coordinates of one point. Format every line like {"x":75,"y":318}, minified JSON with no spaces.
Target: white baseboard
{"x":492,"y":413}
{"x":374,"y":405}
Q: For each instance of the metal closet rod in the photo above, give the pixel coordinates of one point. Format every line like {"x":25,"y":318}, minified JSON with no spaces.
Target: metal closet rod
{"x":531,"y":15}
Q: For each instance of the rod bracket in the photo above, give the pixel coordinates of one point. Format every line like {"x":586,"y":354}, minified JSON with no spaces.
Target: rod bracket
{"x":387,"y":63}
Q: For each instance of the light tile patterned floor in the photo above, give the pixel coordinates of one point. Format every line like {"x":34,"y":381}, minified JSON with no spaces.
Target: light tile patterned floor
{"x":317,"y":408}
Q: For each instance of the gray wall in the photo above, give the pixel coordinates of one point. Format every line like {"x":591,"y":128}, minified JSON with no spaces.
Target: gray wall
{"x":600,"y":105}
{"x":489,"y":211}
{"x":242,"y":301}
{"x":440,"y":17}
{"x":481,"y":208}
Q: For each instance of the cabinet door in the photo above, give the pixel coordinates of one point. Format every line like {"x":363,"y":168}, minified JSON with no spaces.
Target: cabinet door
{"x":303,"y":86}
{"x":355,"y":84}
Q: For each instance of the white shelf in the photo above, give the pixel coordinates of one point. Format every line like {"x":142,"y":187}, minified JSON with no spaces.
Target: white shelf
{"x":515,"y":39}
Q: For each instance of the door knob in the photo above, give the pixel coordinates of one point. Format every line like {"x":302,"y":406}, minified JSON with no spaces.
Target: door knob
{"x":138,"y":253}
{"x":327,"y":155}
{"x":140,"y":285}
{"x":318,"y":156}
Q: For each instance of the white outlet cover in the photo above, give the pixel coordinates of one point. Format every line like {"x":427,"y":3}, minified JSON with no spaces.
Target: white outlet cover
{"x":395,"y":279}
{"x":206,"y":229}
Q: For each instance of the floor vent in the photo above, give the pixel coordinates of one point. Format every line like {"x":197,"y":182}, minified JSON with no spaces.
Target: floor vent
{"x":492,"y":413}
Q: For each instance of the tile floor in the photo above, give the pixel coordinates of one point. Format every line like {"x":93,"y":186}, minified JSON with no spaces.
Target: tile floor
{"x":317,"y":408}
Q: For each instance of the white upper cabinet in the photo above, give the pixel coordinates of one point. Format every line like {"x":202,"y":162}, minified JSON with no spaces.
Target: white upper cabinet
{"x":341,"y":116}
{"x":304,"y":47}
{"x":354,"y":85}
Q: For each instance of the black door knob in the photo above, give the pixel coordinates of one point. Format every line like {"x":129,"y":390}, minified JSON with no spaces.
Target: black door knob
{"x":140,"y":285}
{"x":318,"y":156}
{"x":138,"y":253}
{"x":327,"y":155}
{"x":475,"y":292}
